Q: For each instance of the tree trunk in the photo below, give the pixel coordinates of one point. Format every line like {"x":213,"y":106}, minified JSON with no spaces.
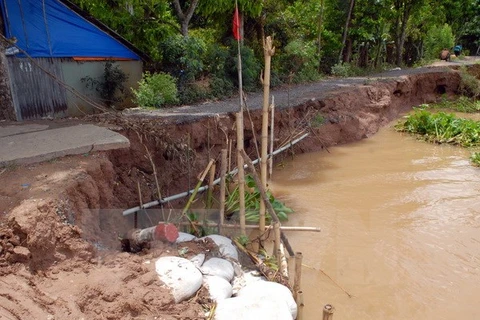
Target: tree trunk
{"x":345,"y":31}
{"x":184,"y":17}
{"x":320,"y":29}
{"x":401,"y":29}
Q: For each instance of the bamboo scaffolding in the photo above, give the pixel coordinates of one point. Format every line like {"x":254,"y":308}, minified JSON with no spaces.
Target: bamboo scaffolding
{"x":276,"y":243}
{"x":223,"y":185}
{"x":217,"y":181}
{"x":283,"y":261}
{"x":241,"y":172}
{"x":268,"y":52}
{"x":210,"y":186}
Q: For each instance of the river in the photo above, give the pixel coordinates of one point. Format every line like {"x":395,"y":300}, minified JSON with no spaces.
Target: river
{"x":400,"y":222}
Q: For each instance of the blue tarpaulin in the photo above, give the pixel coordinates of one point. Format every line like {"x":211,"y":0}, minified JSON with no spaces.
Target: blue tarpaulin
{"x":48,"y":28}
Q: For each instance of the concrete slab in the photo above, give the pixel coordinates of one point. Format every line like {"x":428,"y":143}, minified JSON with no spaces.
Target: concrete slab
{"x":21,"y":128}
{"x":31,"y":147}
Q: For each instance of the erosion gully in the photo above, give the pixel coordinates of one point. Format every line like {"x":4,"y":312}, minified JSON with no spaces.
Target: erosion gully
{"x":400,"y":222}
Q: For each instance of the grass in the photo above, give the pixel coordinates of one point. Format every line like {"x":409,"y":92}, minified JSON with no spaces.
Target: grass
{"x":442,"y":128}
{"x":462,"y":104}
{"x":475,"y":159}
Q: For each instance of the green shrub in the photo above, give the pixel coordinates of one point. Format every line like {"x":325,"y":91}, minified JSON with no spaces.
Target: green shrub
{"x":155,"y":90}
{"x":342,"y":70}
{"x":250,"y":67}
{"x":438,"y":38}
{"x":475,"y":159}
{"x":110,"y":86}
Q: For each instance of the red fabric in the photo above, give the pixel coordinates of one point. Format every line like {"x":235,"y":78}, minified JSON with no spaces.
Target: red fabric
{"x":236,"y":25}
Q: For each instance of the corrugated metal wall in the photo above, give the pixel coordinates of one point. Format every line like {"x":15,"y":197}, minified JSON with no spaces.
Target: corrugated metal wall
{"x":35,"y":93}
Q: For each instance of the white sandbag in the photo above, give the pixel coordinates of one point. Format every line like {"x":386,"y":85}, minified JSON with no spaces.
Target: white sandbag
{"x":225,"y":246}
{"x":218,"y":267}
{"x":245,"y":279}
{"x":261,"y":290}
{"x":246,"y":308}
{"x":180,"y":276}
{"x":198,"y":260}
{"x":182,"y":237}
{"x":218,"y":287}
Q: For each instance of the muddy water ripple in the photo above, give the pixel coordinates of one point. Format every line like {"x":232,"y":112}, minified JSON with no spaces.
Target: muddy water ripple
{"x":400,"y":224}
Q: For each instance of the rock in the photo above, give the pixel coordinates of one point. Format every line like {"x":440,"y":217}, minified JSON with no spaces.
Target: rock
{"x":218,"y":267}
{"x":246,"y":308}
{"x":198,"y":259}
{"x":266,"y":290}
{"x":245,"y":279}
{"x":180,"y":276}
{"x":225,"y":246}
{"x":20,"y":254}
{"x":182,"y":237}
{"x":218,"y":287}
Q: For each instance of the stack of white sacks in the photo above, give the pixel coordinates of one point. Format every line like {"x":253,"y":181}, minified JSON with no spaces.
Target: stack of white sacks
{"x":239,"y":295}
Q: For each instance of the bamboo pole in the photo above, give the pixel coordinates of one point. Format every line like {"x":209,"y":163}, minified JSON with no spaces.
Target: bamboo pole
{"x":297,"y":280}
{"x":328,"y":311}
{"x":300,"y":305}
{"x":135,"y":217}
{"x":211,"y":180}
{"x":268,"y":51}
{"x":251,"y":227}
{"x":272,"y":131}
{"x":223,"y":173}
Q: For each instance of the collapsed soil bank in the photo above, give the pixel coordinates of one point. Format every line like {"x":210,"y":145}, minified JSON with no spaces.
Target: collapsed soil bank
{"x":69,"y":218}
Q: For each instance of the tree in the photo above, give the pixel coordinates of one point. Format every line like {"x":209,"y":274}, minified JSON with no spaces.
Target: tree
{"x":345,"y":30}
{"x":184,"y":15}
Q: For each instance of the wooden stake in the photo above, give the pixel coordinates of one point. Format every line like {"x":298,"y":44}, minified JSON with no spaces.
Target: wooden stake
{"x":300,"y":305}
{"x":223,"y":173}
{"x":241,"y":172}
{"x":268,"y":51}
{"x":297,"y":280}
{"x":210,"y":186}
{"x":135,"y":217}
{"x":328,"y":311}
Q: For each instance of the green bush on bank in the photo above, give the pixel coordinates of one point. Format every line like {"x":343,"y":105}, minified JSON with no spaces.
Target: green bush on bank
{"x":155,"y":90}
{"x":442,"y":128}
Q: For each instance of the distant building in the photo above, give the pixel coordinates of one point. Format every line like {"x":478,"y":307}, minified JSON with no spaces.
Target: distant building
{"x":60,"y":41}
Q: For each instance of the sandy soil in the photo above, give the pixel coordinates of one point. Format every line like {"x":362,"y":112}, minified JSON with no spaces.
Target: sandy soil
{"x":60,"y":221}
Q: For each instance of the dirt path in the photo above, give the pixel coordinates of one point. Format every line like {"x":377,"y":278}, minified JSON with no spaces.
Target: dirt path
{"x":60,"y":220}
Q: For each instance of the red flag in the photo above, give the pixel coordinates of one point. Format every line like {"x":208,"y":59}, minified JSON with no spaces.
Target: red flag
{"x":236,"y":24}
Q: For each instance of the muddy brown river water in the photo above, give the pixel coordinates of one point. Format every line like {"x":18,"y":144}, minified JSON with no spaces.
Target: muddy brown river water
{"x":400,"y":224}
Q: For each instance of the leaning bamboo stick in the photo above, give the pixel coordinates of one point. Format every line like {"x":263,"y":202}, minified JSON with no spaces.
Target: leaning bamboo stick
{"x":210,"y":187}
{"x":272,"y":131}
{"x":328,"y":311}
{"x":300,"y":305}
{"x":297,"y":280}
{"x":276,"y":243}
{"x":265,"y":199}
{"x":223,"y":173}
{"x":135,"y":217}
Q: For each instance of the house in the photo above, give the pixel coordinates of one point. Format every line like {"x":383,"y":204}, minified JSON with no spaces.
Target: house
{"x":52,"y":48}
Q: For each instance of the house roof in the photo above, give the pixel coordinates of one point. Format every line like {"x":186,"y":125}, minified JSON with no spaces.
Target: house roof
{"x":85,"y":14}
{"x":60,"y":29}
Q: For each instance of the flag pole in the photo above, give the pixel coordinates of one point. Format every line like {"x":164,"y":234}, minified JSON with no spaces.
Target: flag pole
{"x":239,"y":118}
